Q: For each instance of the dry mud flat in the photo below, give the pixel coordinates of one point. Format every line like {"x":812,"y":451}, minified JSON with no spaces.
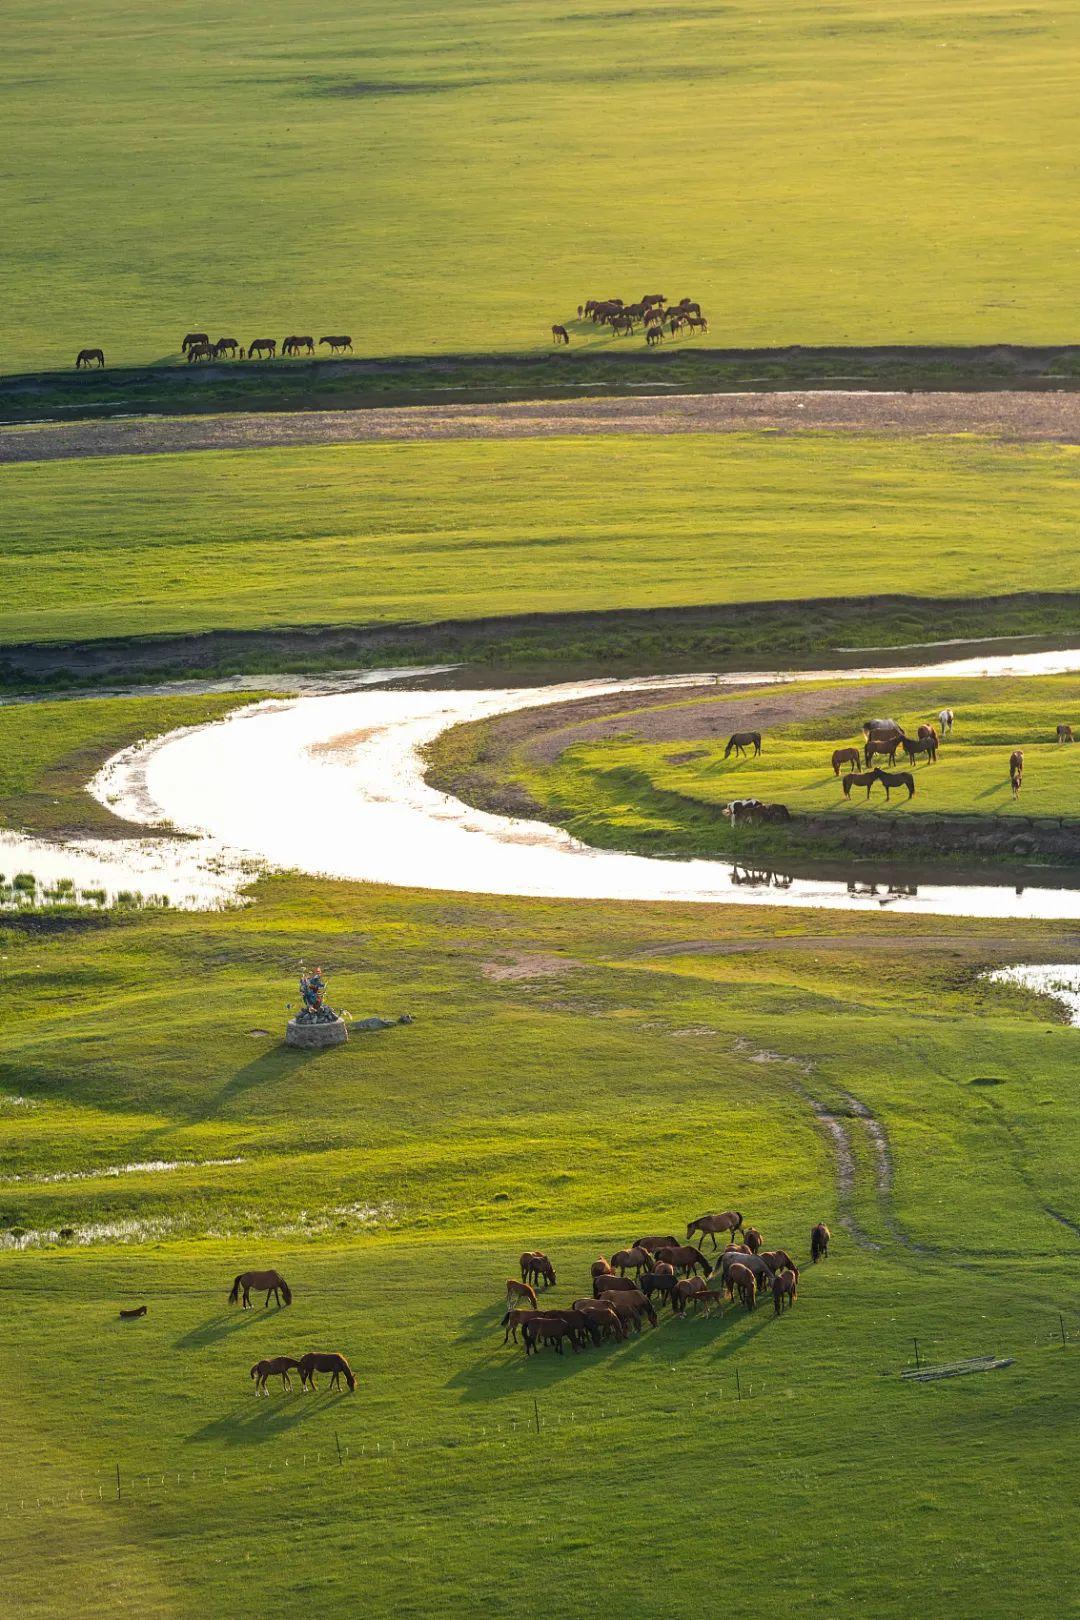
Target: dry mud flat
{"x":1051,"y":417}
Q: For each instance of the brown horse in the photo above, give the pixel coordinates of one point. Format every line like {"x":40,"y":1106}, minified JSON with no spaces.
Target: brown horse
{"x":603,"y":1322}
{"x":631,"y":1307}
{"x":819,"y":1242}
{"x":755,"y":1264}
{"x":194,"y":337}
{"x":226,"y":345}
{"x":272,"y":1281}
{"x":325,"y":1361}
{"x":864,"y":779}
{"x":262,"y":346}
{"x":293,"y":345}
{"x":779,"y":1260}
{"x":913,"y":747}
{"x":740,"y":741}
{"x":1016,"y":771}
{"x":846,"y":756}
{"x":885,"y":746}
{"x":516,"y":1317}
{"x":270,"y":1367}
{"x":537,"y":1267}
{"x":656,"y":1241}
{"x":130,"y":1316}
{"x":201,"y":351}
{"x":559,"y":334}
{"x":1065,"y":734}
{"x":684,"y":1257}
{"x":663,"y":1283}
{"x":337,"y":343}
{"x":636,"y":1260}
{"x":696,"y":323}
{"x":785,"y":1291}
{"x":88,"y":357}
{"x":552,"y":1328}
{"x":686,"y":1289}
{"x":612,"y":1284}
{"x":600,"y":1268}
{"x":742,"y":1280}
{"x":753,"y":1239}
{"x":518,"y":1291}
{"x":708,"y":1225}
{"x":929,"y":731}
{"x":898,"y":779}
{"x":653,"y":335}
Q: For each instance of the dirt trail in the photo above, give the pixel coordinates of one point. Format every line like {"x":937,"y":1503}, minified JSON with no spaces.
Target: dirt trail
{"x":1007,"y":415}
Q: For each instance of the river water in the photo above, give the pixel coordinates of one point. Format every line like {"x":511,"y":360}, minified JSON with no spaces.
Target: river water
{"x":333,"y":785}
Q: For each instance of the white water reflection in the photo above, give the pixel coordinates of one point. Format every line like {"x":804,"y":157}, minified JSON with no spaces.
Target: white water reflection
{"x":1058,"y":979}
{"x":334,"y":786}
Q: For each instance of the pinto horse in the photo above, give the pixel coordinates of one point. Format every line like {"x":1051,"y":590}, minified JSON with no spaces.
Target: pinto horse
{"x":271,"y":1367}
{"x":740,"y":741}
{"x":846,"y":756}
{"x":325,"y":1361}
{"x":272,"y":1281}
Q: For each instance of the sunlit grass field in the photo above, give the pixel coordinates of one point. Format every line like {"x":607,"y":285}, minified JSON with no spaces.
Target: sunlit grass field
{"x":367,"y":534}
{"x":395,"y":1181}
{"x":458,"y":176}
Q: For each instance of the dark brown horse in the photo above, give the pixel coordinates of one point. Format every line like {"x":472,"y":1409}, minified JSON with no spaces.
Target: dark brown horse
{"x":819,"y":1242}
{"x":262,"y":346}
{"x":885,"y":746}
{"x":612,"y":1284}
{"x":603,"y":1322}
{"x":663,"y":1283}
{"x":740,"y":741}
{"x":325,"y":1361}
{"x":846,"y":756}
{"x":1016,"y":771}
{"x":1064,"y":734}
{"x":635,"y":1260}
{"x":89,"y":357}
{"x":559,"y":334}
{"x":752,"y":1239}
{"x":600,"y":1268}
{"x":864,"y":779}
{"x":130,"y":1316}
{"x":654,"y":335}
{"x":271,"y":1367}
{"x":337,"y":343}
{"x":684,"y":1257}
{"x":631,"y":1307}
{"x":898,"y":779}
{"x":272,"y":1281}
{"x":194,"y":337}
{"x":785,"y":1290}
{"x":655,"y":1241}
{"x":201,"y":351}
{"x":913,"y":747}
{"x":778,"y":1260}
{"x":226,"y":345}
{"x":294,"y":345}
{"x":536,"y":1267}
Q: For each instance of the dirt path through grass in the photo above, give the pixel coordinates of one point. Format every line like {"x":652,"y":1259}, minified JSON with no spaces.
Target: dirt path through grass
{"x":1049,"y":417}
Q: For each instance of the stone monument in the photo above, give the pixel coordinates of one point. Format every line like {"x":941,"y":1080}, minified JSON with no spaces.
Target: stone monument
{"x":315,"y":1024}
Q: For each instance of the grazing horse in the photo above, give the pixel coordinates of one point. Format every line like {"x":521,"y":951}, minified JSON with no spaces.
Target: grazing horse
{"x":689,"y":306}
{"x":741,"y":1278}
{"x":1016,"y":771}
{"x":660,"y":1282}
{"x":886,"y":746}
{"x":559,"y":334}
{"x":607,"y":1285}
{"x":270,"y":1367}
{"x":226,"y":345}
{"x":87,"y":357}
{"x":600,"y":1268}
{"x":708,"y":1225}
{"x":636,"y":1260}
{"x":945,"y":720}
{"x":201,"y":351}
{"x":549,"y":1330}
{"x":752,"y":1238}
{"x":846,"y":756}
{"x":519,"y":1291}
{"x":696,"y":323}
{"x":686,"y":1289}
{"x":653,"y":316}
{"x":755,"y":1264}
{"x":293,"y":345}
{"x":337,"y":343}
{"x":262,"y":346}
{"x":654,"y":335}
{"x":601,"y":1319}
{"x":779,"y":1260}
{"x":630,"y":1307}
{"x":898,"y":780}
{"x":819,"y":1242}
{"x":1065,"y":734}
{"x":129,"y":1316}
{"x":864,"y":779}
{"x":535,"y":1266}
{"x":785,"y":1291}
{"x":675,"y":322}
{"x":656,"y":1241}
{"x":272,"y":1281}
{"x":516,"y":1316}
{"x":194,"y":337}
{"x":914,"y":746}
{"x":325,"y":1361}
{"x":929,"y":731}
{"x":684,"y":1257}
{"x":740,"y":741}
{"x":653,"y":298}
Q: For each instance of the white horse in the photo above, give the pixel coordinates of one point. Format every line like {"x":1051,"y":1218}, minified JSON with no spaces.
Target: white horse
{"x":945,"y":720}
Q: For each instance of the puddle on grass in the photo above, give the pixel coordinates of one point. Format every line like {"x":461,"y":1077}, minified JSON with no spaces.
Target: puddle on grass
{"x":1058,"y":979}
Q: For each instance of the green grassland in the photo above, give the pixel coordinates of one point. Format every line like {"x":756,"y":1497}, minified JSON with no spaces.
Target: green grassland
{"x":459,"y":176}
{"x":625,"y":791}
{"x":607,"y":1090}
{"x":405,"y":534}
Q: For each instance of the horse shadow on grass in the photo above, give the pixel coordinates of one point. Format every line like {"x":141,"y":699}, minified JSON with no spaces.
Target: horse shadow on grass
{"x":222,"y":1324}
{"x":257,"y":1419}
{"x":281,"y":1062}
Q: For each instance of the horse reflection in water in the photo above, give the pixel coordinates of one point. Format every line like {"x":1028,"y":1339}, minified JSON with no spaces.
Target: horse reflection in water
{"x":761,"y":877}
{"x":880,"y":892}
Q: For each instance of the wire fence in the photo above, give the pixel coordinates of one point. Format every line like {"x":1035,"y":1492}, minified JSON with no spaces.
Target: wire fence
{"x":540,"y":1414}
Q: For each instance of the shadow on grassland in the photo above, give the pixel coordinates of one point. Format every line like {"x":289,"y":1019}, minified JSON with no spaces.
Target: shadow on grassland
{"x":257,"y":1419}
{"x":280,"y":1063}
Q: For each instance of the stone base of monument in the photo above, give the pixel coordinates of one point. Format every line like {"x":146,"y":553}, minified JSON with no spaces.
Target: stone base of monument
{"x":331,"y":1032}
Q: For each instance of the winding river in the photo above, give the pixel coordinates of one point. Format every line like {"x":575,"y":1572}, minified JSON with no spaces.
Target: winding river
{"x":332,"y":785}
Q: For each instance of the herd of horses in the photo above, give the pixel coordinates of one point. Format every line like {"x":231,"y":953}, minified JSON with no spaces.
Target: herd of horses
{"x":675,"y":1273}
{"x":197,"y":347}
{"x":652,"y":313}
{"x":307,"y":1365}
